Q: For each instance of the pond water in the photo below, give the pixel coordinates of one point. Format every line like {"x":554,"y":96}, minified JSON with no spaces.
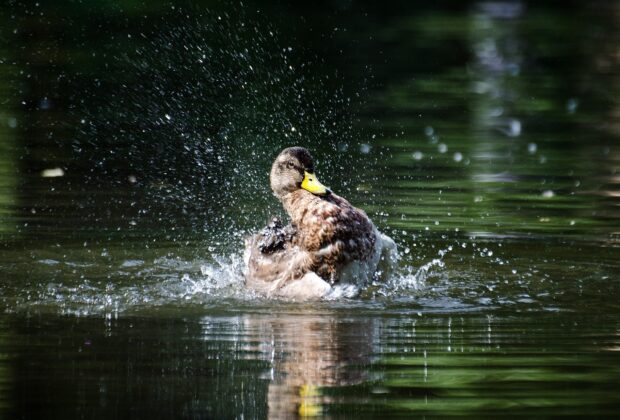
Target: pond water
{"x":135,"y":144}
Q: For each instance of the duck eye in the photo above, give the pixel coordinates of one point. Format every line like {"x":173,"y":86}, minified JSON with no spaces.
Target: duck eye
{"x":290,"y":165}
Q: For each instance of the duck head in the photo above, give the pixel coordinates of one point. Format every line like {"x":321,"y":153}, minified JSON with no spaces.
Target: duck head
{"x":292,"y":170}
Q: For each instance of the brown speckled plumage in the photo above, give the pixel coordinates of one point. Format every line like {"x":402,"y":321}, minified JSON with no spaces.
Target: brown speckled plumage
{"x":325,"y":234}
{"x":331,"y":230}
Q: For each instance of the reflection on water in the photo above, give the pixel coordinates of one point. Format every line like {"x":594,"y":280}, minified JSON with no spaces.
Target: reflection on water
{"x":8,"y":166}
{"x":308,"y":354}
{"x":134,"y":149}
{"x":287,"y":361}
{"x":495,"y":41}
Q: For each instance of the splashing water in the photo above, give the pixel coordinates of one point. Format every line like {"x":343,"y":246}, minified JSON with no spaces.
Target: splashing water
{"x":188,"y":123}
{"x":203,"y":105}
{"x":134,"y":284}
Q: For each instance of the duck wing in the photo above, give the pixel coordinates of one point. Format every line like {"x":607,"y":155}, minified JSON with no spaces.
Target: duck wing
{"x":274,"y":237}
{"x":272,"y":257}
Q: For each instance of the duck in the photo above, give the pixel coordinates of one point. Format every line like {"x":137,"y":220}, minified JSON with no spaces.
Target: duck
{"x":327,"y":242}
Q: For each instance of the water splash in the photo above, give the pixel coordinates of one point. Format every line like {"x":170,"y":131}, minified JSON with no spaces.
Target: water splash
{"x":200,"y":105}
{"x":135,"y":284}
{"x":409,"y":279}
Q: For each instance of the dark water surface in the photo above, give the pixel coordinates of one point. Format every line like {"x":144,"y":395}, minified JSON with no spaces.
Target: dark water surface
{"x":135,"y":142}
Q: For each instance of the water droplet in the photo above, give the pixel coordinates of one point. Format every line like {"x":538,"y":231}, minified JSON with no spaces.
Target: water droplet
{"x":45,"y":103}
{"x":548,"y":193}
{"x":571,"y":105}
{"x":52,"y":173}
{"x":417,"y":155}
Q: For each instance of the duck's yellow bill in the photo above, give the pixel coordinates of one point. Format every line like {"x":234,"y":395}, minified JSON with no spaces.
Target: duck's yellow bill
{"x":310,"y":183}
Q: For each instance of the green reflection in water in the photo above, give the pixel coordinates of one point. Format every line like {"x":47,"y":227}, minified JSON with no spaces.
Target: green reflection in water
{"x":486,"y":144}
{"x":6,"y":373}
{"x":8,"y":164}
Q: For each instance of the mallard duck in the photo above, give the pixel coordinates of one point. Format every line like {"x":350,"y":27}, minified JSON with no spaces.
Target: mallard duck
{"x":328,"y":241}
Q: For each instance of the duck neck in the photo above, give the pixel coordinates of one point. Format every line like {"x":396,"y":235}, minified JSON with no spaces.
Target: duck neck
{"x":295,"y":203}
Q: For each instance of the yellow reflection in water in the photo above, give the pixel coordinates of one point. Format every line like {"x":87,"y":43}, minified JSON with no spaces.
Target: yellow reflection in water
{"x":307,"y":355}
